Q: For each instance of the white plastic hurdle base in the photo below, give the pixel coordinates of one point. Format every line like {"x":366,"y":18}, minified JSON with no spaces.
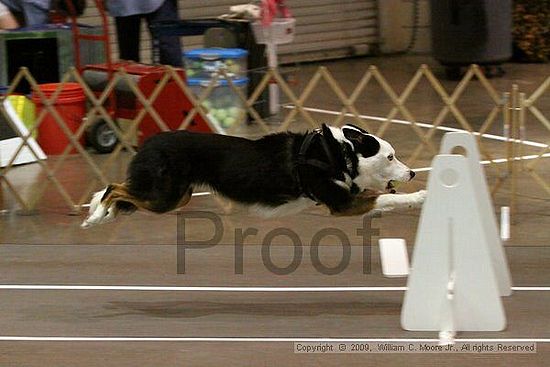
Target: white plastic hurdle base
{"x":394,"y":257}
{"x":505,"y":223}
{"x":468,"y":142}
{"x":459,"y":270}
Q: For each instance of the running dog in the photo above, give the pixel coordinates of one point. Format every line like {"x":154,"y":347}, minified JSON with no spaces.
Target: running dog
{"x":345,"y":169}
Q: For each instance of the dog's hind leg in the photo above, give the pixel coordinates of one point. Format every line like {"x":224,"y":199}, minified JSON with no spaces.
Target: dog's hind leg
{"x":104,"y":208}
{"x":97,"y":210}
{"x":361,"y":204}
{"x":186,"y":197}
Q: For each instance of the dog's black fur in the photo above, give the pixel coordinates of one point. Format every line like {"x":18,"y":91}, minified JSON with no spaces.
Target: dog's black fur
{"x":270,"y":171}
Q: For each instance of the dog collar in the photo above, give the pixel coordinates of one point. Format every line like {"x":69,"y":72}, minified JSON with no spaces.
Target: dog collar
{"x":303,"y":160}
{"x":306,"y":144}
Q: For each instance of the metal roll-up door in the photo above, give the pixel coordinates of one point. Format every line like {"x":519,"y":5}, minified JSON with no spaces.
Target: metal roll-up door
{"x":325,"y":29}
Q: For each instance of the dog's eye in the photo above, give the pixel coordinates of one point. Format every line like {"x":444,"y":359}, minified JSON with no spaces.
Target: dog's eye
{"x":390,"y":157}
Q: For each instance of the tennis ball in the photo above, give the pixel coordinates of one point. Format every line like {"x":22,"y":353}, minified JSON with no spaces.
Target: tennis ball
{"x":229,"y":121}
{"x":235,"y":68}
{"x":393,"y":185}
{"x":221,"y":114}
{"x":396,"y":183}
{"x":234,"y":111}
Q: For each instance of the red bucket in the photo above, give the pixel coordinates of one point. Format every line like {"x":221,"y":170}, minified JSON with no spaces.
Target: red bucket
{"x":70,"y":105}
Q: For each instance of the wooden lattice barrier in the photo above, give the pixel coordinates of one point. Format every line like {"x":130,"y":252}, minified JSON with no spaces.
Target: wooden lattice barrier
{"x":529,"y":104}
{"x":511,"y":107}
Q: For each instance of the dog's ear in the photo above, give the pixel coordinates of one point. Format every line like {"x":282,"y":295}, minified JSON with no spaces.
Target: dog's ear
{"x":365,"y":144}
{"x":327,"y":133}
{"x":369,"y":146}
{"x":329,"y":137}
{"x":355,"y":127}
{"x":353,"y":135}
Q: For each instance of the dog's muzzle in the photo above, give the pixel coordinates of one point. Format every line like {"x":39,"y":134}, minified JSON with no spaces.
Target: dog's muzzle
{"x":392,"y":184}
{"x":390,"y":187}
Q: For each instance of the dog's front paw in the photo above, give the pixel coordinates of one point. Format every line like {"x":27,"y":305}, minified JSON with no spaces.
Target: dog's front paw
{"x":418,"y":198}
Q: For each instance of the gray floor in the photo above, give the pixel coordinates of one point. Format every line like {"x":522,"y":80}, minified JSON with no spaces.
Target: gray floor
{"x":50,"y":248}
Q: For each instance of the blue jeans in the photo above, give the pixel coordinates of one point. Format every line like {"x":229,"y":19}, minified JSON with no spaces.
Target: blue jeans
{"x":128,"y":32}
{"x":35,"y":12}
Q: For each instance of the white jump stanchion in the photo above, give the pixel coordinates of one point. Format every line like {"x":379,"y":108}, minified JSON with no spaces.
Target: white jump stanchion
{"x":453,"y":284}
{"x":486,"y":212}
{"x":505,"y":223}
{"x":394,"y":257}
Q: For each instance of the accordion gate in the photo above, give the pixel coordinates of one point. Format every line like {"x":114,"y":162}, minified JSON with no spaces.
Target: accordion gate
{"x":512,"y":107}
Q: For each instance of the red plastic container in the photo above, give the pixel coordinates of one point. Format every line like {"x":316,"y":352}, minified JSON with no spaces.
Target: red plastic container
{"x":70,"y":105}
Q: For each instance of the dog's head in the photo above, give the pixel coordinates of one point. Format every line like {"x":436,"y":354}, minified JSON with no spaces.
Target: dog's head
{"x":372,"y":162}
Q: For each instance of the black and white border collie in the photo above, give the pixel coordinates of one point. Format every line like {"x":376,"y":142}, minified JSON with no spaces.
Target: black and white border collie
{"x":345,"y":169}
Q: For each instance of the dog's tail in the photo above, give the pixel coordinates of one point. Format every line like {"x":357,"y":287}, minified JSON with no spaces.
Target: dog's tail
{"x":103,"y":209}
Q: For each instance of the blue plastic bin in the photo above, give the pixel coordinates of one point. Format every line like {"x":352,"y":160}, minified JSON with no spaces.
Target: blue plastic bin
{"x":203,"y":62}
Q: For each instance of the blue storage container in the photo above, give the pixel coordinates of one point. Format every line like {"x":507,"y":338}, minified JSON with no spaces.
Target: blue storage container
{"x":203,"y":62}
{"x":223,"y":103}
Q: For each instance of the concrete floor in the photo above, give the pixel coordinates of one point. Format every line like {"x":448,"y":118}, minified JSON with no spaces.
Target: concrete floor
{"x":50,"y":248}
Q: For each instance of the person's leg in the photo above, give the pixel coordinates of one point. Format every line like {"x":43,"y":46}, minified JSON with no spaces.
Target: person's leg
{"x":36,"y":12}
{"x":128,"y":34}
{"x":169,"y":47}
